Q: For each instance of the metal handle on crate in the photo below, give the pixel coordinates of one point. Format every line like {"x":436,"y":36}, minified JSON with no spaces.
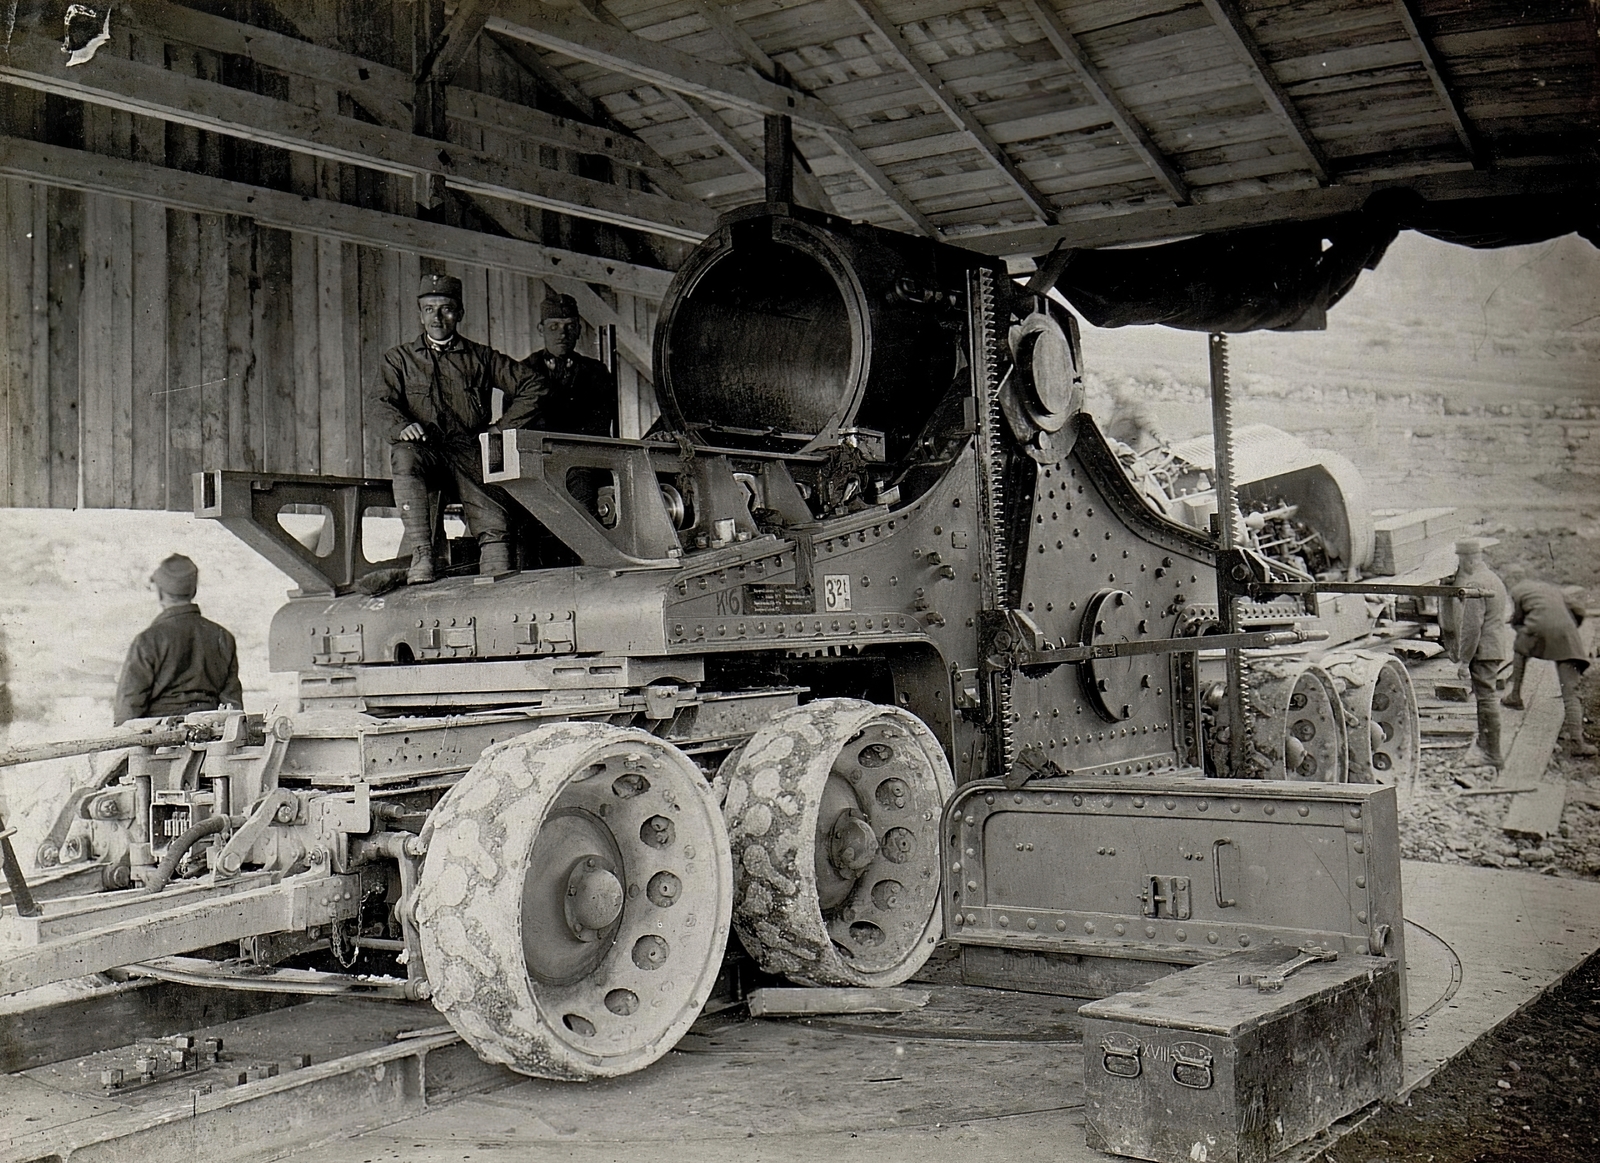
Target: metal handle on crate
{"x":1121,"y":1055}
{"x":1191,"y":1065}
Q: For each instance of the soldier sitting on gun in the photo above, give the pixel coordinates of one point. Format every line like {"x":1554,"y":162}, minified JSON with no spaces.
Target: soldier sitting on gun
{"x":437,"y":392}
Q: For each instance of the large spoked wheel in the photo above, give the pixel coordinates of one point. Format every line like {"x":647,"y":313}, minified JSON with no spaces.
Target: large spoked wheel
{"x":833,"y":813}
{"x":1384,"y":733}
{"x":573,"y":905}
{"x":1296,"y":722}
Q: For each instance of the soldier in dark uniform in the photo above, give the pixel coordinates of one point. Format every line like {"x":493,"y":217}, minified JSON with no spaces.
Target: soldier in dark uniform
{"x":436,"y":392}
{"x":1546,"y":619}
{"x":181,"y":662}
{"x":580,"y":393}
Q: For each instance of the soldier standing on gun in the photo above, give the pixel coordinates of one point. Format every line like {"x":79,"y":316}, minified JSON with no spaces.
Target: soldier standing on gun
{"x":437,"y":392}
{"x":581,"y":393}
{"x":181,"y":662}
{"x":1478,"y":637}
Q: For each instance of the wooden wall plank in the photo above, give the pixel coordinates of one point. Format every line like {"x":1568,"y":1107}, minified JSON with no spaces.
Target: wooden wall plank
{"x":106,"y":352}
{"x":330,"y":369}
{"x":243,"y":439}
{"x":277,"y":350}
{"x":38,"y":493}
{"x":183,"y":394}
{"x":307,"y":378}
{"x":216,"y":383}
{"x":148,"y":401}
{"x":353,"y":326}
{"x":65,"y":218}
{"x":14,"y":321}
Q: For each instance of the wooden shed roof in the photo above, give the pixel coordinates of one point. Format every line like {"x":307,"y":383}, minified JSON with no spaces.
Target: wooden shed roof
{"x":1013,"y":125}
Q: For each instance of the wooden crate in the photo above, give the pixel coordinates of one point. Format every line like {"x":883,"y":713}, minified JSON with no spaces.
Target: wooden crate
{"x":1205,"y":1064}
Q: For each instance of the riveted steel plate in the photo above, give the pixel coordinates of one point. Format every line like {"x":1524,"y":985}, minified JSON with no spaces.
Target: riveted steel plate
{"x":1170,"y":870}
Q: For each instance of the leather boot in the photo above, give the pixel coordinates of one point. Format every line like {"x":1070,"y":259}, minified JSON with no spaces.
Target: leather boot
{"x":1519,"y":667}
{"x":494,"y":557}
{"x":411,"y":495}
{"x":1485,"y":750}
{"x":1572,"y":706}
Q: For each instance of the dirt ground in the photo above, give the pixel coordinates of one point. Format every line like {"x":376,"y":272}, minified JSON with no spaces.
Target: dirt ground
{"x":1523,"y":1093}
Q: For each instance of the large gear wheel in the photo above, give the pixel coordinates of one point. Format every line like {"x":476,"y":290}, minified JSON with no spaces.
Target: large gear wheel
{"x":1294,"y":720}
{"x":1383,"y":730}
{"x":833,"y":813}
{"x":574,"y":903}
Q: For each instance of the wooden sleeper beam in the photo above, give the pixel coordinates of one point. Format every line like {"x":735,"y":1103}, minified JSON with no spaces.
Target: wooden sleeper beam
{"x":1230,"y":21}
{"x":1139,"y":139}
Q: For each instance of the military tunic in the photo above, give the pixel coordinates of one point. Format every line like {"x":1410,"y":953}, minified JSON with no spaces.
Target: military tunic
{"x":1547,"y":623}
{"x":180,"y":663}
{"x":579,"y":396}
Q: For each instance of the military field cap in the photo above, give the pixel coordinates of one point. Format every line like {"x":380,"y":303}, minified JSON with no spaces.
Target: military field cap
{"x":447,"y":285}
{"x":1475,"y":544}
{"x":558,"y":306}
{"x":178,"y":576}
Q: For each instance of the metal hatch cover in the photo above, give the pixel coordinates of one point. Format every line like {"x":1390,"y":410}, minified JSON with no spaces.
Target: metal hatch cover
{"x":1167,"y":871}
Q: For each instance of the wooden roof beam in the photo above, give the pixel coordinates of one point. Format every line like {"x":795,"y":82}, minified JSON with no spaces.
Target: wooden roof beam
{"x":386,"y":92}
{"x":1230,"y":21}
{"x":76,"y":169}
{"x":1139,"y":139}
{"x":149,"y":90}
{"x":1407,"y":11}
{"x":906,"y":55}
{"x":666,"y":68}
{"x":455,"y":41}
{"x":716,"y":16}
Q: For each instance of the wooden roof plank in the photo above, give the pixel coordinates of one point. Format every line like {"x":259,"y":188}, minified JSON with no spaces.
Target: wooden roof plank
{"x":1139,"y":139}
{"x":1231,"y":21}
{"x":621,"y":52}
{"x":907,"y":56}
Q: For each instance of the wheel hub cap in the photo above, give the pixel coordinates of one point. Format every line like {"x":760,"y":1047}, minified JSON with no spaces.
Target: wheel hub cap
{"x":594,"y":899}
{"x":852,"y":844}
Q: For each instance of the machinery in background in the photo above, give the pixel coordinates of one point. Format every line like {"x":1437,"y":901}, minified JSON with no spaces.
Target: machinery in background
{"x":877,"y":553}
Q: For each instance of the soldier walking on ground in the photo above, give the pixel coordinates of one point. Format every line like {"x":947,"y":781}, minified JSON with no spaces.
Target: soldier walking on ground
{"x":181,"y":662}
{"x":437,"y":393}
{"x":1547,"y":620}
{"x":1478,"y":636}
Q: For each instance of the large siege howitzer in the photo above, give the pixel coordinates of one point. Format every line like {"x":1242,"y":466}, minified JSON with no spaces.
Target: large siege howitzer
{"x":877,"y":553}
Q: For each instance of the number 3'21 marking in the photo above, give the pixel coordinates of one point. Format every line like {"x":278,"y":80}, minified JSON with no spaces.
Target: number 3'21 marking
{"x":836,"y":593}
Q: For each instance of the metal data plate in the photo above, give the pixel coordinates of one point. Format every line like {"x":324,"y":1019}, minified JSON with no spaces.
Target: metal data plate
{"x":1173,"y":870}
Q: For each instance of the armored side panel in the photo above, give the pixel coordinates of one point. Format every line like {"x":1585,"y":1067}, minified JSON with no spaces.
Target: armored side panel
{"x":1085,"y":887}
{"x":1206,"y":1064}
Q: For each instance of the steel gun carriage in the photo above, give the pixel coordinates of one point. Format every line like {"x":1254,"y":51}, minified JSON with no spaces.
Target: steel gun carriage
{"x":875,"y":551}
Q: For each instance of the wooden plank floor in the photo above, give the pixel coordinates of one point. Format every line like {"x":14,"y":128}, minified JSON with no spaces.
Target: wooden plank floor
{"x":977,"y":1074}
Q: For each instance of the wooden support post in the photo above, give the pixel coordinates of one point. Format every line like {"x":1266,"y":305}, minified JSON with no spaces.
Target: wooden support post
{"x":779,"y":159}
